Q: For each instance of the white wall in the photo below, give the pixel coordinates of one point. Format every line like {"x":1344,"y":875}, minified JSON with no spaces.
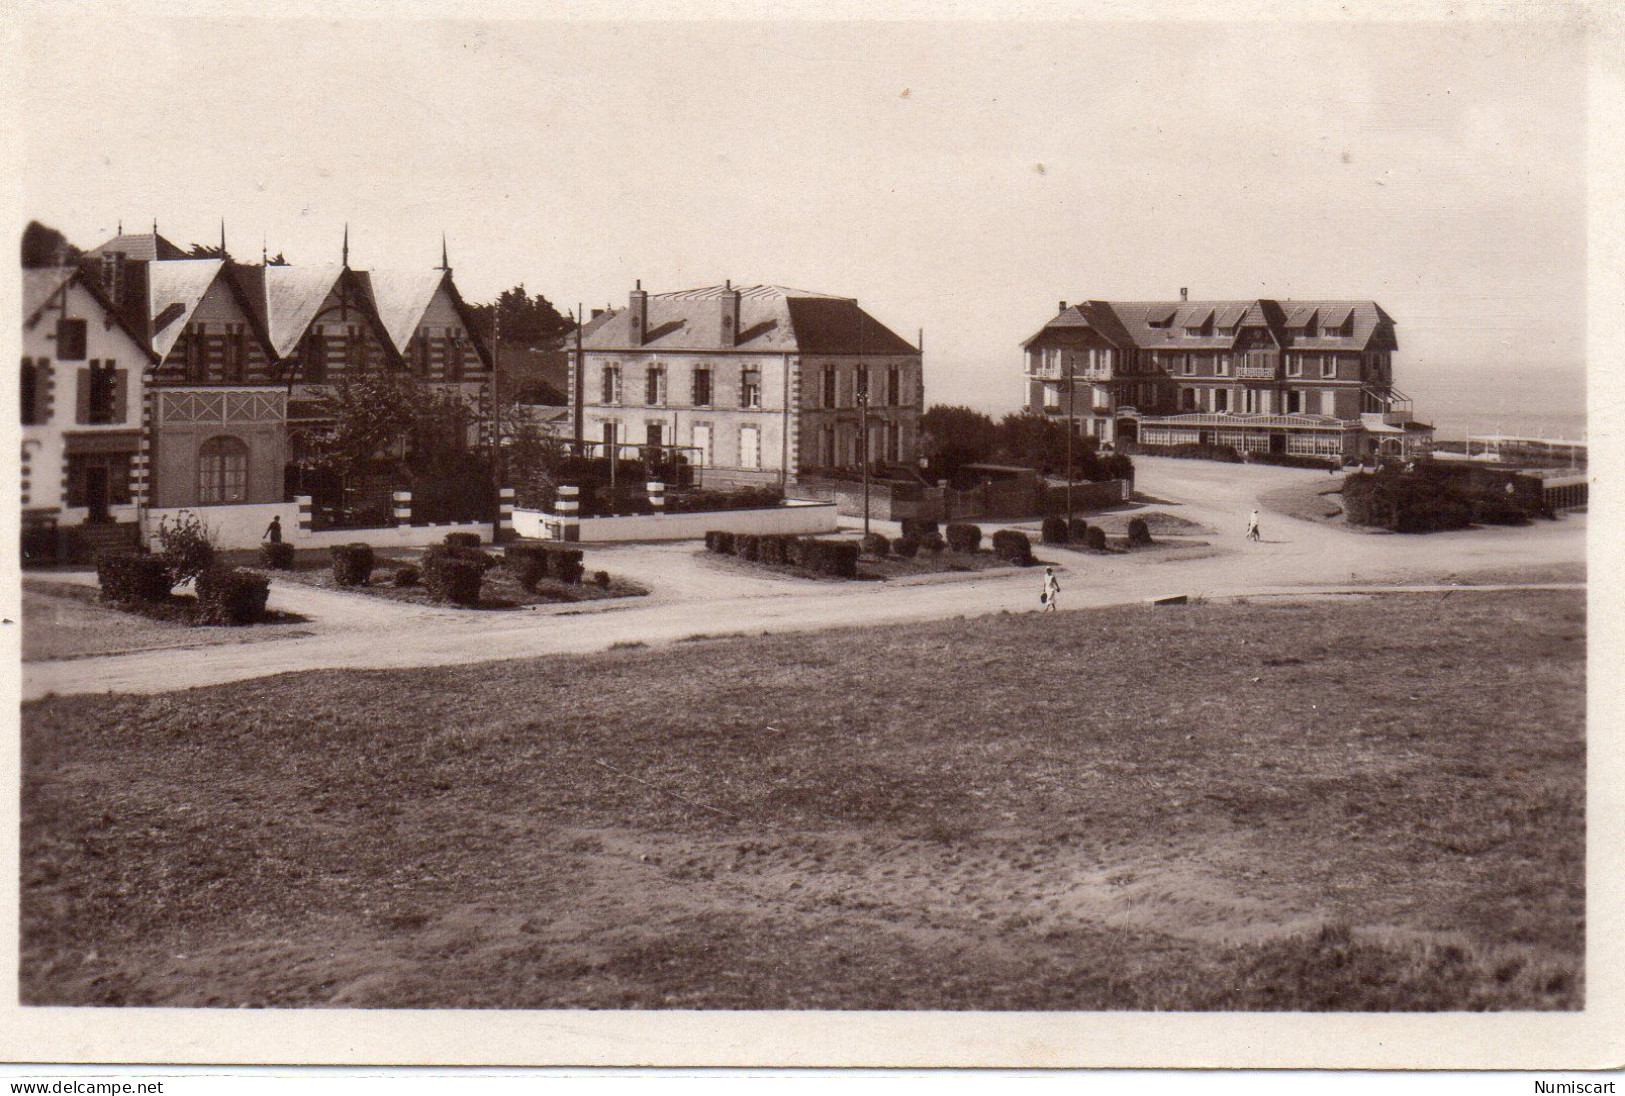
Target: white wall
{"x":244,"y":527}
{"x":794,"y":517}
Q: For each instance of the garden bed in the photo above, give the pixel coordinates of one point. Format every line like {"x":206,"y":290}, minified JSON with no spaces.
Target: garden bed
{"x":69,"y":620}
{"x":501,"y":588}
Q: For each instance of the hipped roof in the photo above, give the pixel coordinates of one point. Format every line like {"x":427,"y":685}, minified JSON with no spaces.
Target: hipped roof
{"x":772,"y":319}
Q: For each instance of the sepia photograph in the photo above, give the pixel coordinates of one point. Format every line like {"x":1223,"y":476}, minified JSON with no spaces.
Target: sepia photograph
{"x":881,"y":530}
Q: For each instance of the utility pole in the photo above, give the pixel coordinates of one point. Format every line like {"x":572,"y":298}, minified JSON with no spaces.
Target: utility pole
{"x":1071,"y":411}
{"x":863,"y":434}
{"x":496,"y":433}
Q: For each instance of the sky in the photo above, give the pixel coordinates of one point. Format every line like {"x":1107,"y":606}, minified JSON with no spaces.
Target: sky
{"x":955,"y":177}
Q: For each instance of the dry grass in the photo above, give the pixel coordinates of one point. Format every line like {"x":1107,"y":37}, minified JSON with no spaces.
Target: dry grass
{"x":66,"y":620}
{"x":1375,"y":805}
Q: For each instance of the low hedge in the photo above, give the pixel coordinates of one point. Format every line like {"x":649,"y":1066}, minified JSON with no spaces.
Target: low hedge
{"x":1191,"y":451}
{"x":463,"y":540}
{"x":1293,"y":460}
{"x":1077,"y":529}
{"x":906,"y":547}
{"x":933,"y":542}
{"x":774,"y":549}
{"x":918,"y":527}
{"x":1094,"y":538}
{"x":352,"y":564}
{"x":451,"y":575}
{"x":876,"y":545}
{"x":277,"y":556}
{"x":407,"y":576}
{"x":534,"y":562}
{"x":1054,"y":531}
{"x":600,"y":579}
{"x":1139,"y":533}
{"x":700,"y":501}
{"x":964,"y":538}
{"x":748,"y":546}
{"x":1013,"y":547}
{"x":231,"y":595}
{"x":837,"y":558}
{"x":132,"y":579}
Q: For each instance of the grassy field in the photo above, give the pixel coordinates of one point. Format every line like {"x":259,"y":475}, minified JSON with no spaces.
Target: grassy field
{"x":1374,"y":803}
{"x":65,"y":620}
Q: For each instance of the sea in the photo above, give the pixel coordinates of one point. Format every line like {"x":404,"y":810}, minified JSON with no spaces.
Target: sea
{"x":1539,"y":401}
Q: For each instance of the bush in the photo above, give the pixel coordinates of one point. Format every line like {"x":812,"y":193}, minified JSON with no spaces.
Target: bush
{"x":600,"y":579}
{"x":1293,"y":460}
{"x":1407,"y":502}
{"x":565,"y":565}
{"x":918,"y":528}
{"x":1498,"y":512}
{"x":1013,"y":547}
{"x":186,"y":546}
{"x":906,"y":547}
{"x":1054,"y":531}
{"x":450,"y":575}
{"x":964,"y":538}
{"x":774,"y":549}
{"x":133,"y":580}
{"x":1139,"y":533}
{"x":1095,"y":538}
{"x":701,"y":501}
{"x":838,"y":558}
{"x":876,"y":545}
{"x":1077,"y":529}
{"x":463,"y":540}
{"x":407,"y":576}
{"x":278,"y":556}
{"x":231,"y":595}
{"x":725,"y":543}
{"x":352,"y":564}
{"x":748,"y":546}
{"x":933,"y":542}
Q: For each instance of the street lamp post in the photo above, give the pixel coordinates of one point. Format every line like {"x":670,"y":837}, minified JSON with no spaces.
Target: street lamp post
{"x":863,"y":436}
{"x":1071,"y":412}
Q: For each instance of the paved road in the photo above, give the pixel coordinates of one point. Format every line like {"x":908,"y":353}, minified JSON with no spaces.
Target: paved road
{"x":697,"y":595}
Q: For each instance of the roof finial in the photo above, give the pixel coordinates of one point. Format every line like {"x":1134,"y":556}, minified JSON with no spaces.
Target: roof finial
{"x":155,"y":226}
{"x":445,"y":262}
{"x":346,"y":258}
{"x":120,"y":227}
{"x":223,"y":254}
{"x":265,"y":251}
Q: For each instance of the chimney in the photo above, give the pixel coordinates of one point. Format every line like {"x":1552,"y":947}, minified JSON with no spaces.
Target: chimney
{"x":730,"y":315}
{"x":639,"y":311}
{"x":1062,"y":307}
{"x":597,"y":312}
{"x":1184,"y":294}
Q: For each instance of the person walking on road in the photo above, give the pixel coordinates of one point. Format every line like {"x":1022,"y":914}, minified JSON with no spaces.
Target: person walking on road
{"x":1052,"y":590}
{"x":273,"y":532}
{"x":1252,"y":526}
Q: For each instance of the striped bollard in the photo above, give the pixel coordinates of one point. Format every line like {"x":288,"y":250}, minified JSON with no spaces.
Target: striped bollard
{"x":504,"y":509}
{"x":307,"y":506}
{"x":568,"y":508}
{"x":403,"y":507}
{"x":657,"y":496}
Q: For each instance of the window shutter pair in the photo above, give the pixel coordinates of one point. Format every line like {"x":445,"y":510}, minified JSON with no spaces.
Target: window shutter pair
{"x":82,"y":407}
{"x":121,"y":395}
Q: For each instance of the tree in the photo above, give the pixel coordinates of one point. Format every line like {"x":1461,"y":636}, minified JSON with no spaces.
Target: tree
{"x":45,"y":246}
{"x":526,"y":320}
{"x":1037,"y":441}
{"x":956,"y":436}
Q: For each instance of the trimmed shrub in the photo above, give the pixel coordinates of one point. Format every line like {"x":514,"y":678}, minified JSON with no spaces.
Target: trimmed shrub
{"x":1139,"y":533}
{"x":875,"y":544}
{"x":964,"y":538}
{"x":1189,"y":451}
{"x":1406,"y":503}
{"x":726,"y":543}
{"x":407,"y":576}
{"x":1095,"y":539}
{"x":278,"y":556}
{"x":600,"y":579}
{"x":516,"y":557}
{"x":352,"y":564}
{"x":463,"y":540}
{"x":1077,"y":529}
{"x":1293,"y":460}
{"x":918,"y":528}
{"x":748,"y":546}
{"x":452,"y":579}
{"x":713,"y":538}
{"x":933,"y":542}
{"x":1054,"y":531}
{"x":565,"y":565}
{"x":838,"y":558}
{"x":186,"y":545}
{"x":1498,"y":512}
{"x":1013,"y":547}
{"x":133,"y":580}
{"x":231,"y":595}
{"x":774,"y":549}
{"x":906,"y":547}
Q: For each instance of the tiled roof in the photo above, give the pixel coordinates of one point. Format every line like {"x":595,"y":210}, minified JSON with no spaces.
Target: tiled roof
{"x":182,"y":282}
{"x":140,"y":247}
{"x":292,"y":296}
{"x":402,"y":297}
{"x":1160,"y":325}
{"x":772,"y":319}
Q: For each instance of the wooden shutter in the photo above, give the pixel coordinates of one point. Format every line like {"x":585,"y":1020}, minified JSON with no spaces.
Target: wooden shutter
{"x":82,"y":409}
{"x":121,"y":395}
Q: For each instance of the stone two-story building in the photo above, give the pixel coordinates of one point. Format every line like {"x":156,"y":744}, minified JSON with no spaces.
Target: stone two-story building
{"x":753,"y":384}
{"x":1305,"y":378}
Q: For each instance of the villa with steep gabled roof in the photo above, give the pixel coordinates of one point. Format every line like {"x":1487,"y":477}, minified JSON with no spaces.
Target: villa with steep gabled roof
{"x":754,"y":384}
{"x":1300,"y":378}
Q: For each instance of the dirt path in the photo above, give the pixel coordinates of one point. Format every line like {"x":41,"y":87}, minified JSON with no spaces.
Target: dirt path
{"x":694,"y":597}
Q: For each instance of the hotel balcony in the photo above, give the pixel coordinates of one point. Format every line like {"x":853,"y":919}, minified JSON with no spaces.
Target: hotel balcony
{"x":1396,"y":405}
{"x":1258,"y":372}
